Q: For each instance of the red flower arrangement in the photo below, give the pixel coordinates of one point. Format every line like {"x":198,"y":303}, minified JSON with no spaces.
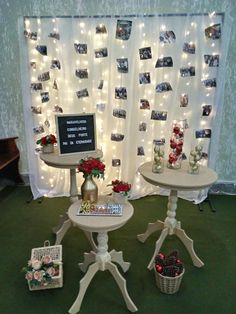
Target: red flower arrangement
{"x":120,"y":187}
{"x":48,"y":139}
{"x":92,"y":166}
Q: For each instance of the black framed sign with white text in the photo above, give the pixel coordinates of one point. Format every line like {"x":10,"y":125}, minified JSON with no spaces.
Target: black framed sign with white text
{"x":76,"y":133}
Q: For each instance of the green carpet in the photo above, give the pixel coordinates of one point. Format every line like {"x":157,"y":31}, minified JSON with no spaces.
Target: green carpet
{"x":210,"y":289}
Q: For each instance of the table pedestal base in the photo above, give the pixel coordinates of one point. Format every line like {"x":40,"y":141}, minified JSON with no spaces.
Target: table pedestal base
{"x":102,"y":260}
{"x":170,"y":227}
{"x":64,"y":225}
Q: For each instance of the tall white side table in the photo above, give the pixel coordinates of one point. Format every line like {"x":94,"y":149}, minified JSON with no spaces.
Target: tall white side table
{"x":68,"y":162}
{"x":101,"y":259}
{"x":175,"y":180}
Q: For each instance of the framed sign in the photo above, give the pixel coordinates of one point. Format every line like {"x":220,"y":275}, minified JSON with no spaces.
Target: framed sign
{"x":76,"y":133}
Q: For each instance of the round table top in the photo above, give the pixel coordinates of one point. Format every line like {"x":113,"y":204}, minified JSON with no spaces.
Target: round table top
{"x":68,"y":161}
{"x":179,"y":179}
{"x":99,"y":223}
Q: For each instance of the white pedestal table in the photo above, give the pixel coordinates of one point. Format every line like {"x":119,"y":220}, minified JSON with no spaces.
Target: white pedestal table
{"x":68,"y":162}
{"x":175,"y":180}
{"x":101,"y":259}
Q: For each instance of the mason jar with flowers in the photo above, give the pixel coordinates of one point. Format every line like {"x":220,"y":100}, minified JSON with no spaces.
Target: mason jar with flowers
{"x":91,"y":168}
{"x":120,"y":191}
{"x":47,"y":142}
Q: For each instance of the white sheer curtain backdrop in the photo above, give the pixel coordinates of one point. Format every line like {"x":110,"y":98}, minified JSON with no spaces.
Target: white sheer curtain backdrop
{"x":145,"y":32}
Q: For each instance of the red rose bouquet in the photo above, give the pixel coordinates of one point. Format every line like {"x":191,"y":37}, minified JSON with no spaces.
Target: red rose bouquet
{"x":92,"y":166}
{"x":120,"y":187}
{"x":48,"y":139}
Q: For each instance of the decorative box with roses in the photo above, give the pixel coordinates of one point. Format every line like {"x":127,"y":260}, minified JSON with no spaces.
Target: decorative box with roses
{"x":44,"y":269}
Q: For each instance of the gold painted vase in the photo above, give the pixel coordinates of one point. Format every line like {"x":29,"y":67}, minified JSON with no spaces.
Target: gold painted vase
{"x":89,"y":190}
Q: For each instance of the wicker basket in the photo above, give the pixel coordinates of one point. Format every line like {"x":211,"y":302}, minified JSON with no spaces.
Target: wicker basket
{"x":169,"y":285}
{"x":55,"y":252}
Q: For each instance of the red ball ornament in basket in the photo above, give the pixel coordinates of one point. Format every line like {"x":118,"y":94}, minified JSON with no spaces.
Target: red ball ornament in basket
{"x":169,"y":271}
{"x":170,"y":265}
{"x":176,"y":145}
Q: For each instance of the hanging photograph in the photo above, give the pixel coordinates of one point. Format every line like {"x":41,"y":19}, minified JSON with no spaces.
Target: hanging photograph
{"x":184,"y":123}
{"x":122,"y":65}
{"x":38,"y":129}
{"x":204,"y":155}
{"x":144,"y":78}
{"x":145,"y":53}
{"x":209,"y":83}
{"x":183,"y":100}
{"x":36,"y":110}
{"x":101,"y":107}
{"x":119,"y":113}
{"x":54,"y":36}
{"x":123,"y":29}
{"x":36,"y":87}
{"x":57,"y":109}
{"x":117,"y":137}
{"x":167,"y":37}
{"x":189,"y":48}
{"x":144,"y":104}
{"x":82,"y":93}
{"x":33,"y":65}
{"x":80,"y":48}
{"x":100,"y":85}
{"x":81,"y":73}
{"x":101,"y":29}
{"x":159,"y":115}
{"x":120,"y":93}
{"x":186,"y":72}
{"x":213,"y":31}
{"x":203,"y":133}
{"x":44,"y":97}
{"x":140,"y":151}
{"x":212,"y":60}
{"x":206,"y":110}
{"x":101,"y":53}
{"x":163,"y":87}
{"x":31,"y":35}
{"x":42,"y":49}
{"x":116,"y":162}
{"x":55,"y":64}
{"x":55,"y":85}
{"x":47,"y":123}
{"x":44,"y":76}
{"x":142,"y":127}
{"x":164,"y":62}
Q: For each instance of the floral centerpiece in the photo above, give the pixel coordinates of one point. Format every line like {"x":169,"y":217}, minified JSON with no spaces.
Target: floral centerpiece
{"x":120,"y":187}
{"x":90,"y":167}
{"x":41,"y":272}
{"x":46,"y":140}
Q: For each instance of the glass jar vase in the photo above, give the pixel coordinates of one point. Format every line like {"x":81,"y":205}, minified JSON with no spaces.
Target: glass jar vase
{"x":194,"y":159}
{"x":158,"y":156}
{"x":176,"y":146}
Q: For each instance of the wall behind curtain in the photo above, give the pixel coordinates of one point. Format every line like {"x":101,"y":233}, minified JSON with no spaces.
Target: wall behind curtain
{"x":11,"y":113}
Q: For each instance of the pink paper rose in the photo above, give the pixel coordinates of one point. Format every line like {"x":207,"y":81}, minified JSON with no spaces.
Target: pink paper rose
{"x":38,"y":275}
{"x":36,"y":264}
